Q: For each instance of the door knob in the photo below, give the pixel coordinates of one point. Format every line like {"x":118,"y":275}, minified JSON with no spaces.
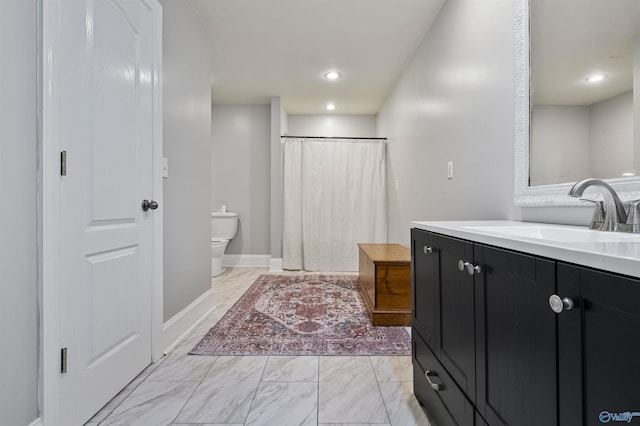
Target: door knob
{"x":146,"y":205}
{"x":560,"y":304}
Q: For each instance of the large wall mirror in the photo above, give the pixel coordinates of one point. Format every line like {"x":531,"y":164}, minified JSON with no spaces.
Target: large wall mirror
{"x":577,"y":113}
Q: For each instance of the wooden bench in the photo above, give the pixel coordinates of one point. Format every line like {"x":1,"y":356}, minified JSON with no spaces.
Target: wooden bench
{"x":384,"y":282}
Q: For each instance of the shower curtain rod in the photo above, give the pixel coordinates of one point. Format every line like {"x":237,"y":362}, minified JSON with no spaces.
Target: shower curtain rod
{"x":331,"y":137}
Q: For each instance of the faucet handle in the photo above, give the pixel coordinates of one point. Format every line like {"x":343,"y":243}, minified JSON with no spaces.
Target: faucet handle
{"x":633,"y":218}
{"x":598,"y":214}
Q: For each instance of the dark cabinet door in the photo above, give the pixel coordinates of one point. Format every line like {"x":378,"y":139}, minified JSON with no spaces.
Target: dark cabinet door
{"x":455,"y":343}
{"x":515,"y":338}
{"x":599,"y":348}
{"x":424,"y":284}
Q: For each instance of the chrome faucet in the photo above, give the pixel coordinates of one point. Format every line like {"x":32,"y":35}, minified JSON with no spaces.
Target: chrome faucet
{"x":614,"y":213}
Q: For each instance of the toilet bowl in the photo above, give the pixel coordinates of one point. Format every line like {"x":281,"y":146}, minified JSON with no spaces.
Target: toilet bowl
{"x":217,"y":251}
{"x":224,"y":226}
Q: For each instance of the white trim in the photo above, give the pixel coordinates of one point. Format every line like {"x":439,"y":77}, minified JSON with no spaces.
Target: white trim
{"x":275,"y":264}
{"x":521,"y":97}
{"x":157,"y":284}
{"x":50,"y":378}
{"x":543,"y":195}
{"x":37,"y":422}
{"x":39,"y":210}
{"x":246,"y":260}
{"x":186,"y":320}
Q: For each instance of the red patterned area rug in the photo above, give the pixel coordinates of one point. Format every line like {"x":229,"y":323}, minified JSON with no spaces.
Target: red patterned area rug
{"x":302,"y":315}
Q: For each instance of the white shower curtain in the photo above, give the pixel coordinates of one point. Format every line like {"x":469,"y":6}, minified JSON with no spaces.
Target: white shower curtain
{"x":334,"y":198}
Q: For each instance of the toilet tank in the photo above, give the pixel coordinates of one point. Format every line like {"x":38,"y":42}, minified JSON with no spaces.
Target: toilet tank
{"x":224,"y":225}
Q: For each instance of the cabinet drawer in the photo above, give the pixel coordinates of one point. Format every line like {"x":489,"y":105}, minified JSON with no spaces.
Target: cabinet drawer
{"x":446,"y":406}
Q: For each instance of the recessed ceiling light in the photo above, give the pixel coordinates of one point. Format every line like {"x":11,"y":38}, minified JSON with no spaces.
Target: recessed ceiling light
{"x":628,"y":174}
{"x":332,"y":75}
{"x":330,"y":107}
{"x":595,"y":78}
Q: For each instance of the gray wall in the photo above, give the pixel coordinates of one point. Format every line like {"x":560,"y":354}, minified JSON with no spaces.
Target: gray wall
{"x":18,"y":249}
{"x":454,"y":102}
{"x":279,"y":126}
{"x":611,"y":136}
{"x":332,"y":125}
{"x":574,"y":142}
{"x":241,"y":157}
{"x":559,"y":144}
{"x":187,"y":145}
{"x":613,"y":114}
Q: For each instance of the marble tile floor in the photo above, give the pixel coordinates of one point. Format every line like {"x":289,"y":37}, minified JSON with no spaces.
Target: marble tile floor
{"x":183,"y":389}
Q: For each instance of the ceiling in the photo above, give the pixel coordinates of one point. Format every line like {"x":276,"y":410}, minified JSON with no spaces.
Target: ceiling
{"x":266,"y":48}
{"x":572,"y":40}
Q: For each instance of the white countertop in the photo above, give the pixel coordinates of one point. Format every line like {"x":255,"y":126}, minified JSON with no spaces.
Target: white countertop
{"x":609,"y":251}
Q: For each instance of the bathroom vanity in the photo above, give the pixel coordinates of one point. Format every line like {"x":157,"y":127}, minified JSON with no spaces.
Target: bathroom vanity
{"x":525,"y":324}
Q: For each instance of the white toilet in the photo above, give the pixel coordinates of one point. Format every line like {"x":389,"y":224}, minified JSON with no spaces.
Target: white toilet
{"x":224,"y":226}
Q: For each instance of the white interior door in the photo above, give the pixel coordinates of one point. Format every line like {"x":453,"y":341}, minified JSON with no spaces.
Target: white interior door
{"x":103,"y":77}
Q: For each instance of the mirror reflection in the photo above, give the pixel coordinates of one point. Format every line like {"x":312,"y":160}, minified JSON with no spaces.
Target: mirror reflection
{"x":585,"y":114}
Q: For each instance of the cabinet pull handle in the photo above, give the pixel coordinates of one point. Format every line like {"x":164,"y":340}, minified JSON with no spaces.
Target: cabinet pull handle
{"x":428,"y":249}
{"x":434,"y":386}
{"x":462,"y":265}
{"x":560,"y":304}
{"x":470,"y":267}
{"x":473,"y":269}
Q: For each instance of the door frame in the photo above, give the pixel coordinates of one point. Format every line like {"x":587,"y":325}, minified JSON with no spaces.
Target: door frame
{"x":49,"y":207}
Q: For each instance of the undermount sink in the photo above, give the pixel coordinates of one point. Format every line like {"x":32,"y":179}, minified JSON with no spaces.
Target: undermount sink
{"x":557,"y":233}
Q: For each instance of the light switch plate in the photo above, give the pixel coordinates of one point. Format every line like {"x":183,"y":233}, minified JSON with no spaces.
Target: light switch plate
{"x":450,"y":170}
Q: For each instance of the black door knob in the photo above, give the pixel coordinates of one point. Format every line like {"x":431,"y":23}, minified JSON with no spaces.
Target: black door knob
{"x":146,"y":205}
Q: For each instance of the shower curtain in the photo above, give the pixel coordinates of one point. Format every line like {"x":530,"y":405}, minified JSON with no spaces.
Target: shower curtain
{"x":334,"y":198}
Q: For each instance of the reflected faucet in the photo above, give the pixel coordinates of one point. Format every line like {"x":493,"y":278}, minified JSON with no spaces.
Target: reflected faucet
{"x":614,"y":213}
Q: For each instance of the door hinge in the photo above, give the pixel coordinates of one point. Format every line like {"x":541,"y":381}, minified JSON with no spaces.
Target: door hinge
{"x":63,"y":360}
{"x":63,"y":163}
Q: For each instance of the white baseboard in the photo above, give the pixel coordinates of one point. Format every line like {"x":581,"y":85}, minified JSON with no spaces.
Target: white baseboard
{"x":184,"y":321}
{"x":246,"y":260}
{"x":275,"y":264}
{"x":37,"y":422}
